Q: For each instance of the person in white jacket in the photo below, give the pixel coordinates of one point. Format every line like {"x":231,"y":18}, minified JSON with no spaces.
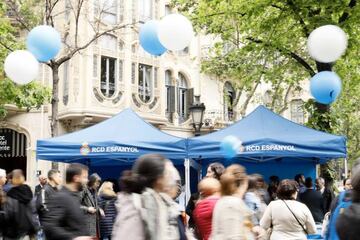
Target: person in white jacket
{"x":232,"y":219}
{"x":287,"y":218}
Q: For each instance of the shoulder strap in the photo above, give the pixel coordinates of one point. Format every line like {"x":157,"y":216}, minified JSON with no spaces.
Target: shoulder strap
{"x":296,"y":218}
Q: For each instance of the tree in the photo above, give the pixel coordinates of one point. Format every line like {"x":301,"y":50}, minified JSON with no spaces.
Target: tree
{"x":267,"y":40}
{"x":29,"y":96}
{"x":78,"y":16}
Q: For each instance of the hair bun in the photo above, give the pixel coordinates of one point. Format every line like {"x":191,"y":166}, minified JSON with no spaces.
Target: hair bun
{"x":132,"y":183}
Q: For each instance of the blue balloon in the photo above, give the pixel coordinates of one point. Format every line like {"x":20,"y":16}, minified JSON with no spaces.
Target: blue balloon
{"x":325,"y":87}
{"x":149,"y":39}
{"x":44,"y":42}
{"x":230,"y":146}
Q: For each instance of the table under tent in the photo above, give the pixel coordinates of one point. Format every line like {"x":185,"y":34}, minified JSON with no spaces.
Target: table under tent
{"x":113,"y":145}
{"x":271,"y":145}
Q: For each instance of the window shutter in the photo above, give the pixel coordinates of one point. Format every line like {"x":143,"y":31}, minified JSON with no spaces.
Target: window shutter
{"x":189,"y":100}
{"x":172,"y":99}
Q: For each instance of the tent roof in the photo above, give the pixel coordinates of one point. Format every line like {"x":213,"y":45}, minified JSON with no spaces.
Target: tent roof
{"x":266,"y":135}
{"x":123,"y":137}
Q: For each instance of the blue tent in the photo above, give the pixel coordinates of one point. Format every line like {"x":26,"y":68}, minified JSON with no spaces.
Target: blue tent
{"x":117,"y":141}
{"x":271,"y":145}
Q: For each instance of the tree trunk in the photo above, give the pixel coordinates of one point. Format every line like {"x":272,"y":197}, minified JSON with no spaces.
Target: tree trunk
{"x":55,"y":100}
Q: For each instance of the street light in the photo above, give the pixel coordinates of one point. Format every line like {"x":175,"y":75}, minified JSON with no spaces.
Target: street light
{"x":197,"y":114}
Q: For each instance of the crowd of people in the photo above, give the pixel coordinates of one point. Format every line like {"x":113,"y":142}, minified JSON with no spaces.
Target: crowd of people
{"x":230,"y":204}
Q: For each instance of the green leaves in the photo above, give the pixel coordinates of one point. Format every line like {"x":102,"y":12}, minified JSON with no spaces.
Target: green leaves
{"x":29,"y":96}
{"x":267,"y":40}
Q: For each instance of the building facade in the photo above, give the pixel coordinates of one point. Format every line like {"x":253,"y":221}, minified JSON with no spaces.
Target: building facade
{"x":115,"y":73}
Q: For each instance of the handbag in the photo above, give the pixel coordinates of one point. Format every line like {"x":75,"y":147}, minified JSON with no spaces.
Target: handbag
{"x":296,"y":218}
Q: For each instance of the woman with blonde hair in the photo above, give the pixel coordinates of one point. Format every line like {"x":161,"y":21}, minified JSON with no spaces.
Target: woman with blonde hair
{"x":106,"y":199}
{"x":232,"y":218}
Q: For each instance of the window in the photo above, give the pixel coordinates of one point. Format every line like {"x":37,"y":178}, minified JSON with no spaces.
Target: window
{"x":108,"y":74}
{"x":108,"y":42}
{"x":145,"y":82}
{"x":167,"y":9}
{"x":169,"y":92}
{"x":95,"y":66}
{"x":66,"y":83}
{"x":145,"y":10}
{"x":297,"y":111}
{"x":155,"y":77}
{"x":134,"y":48}
{"x":121,"y":70}
{"x":121,"y":10}
{"x":133,"y":72}
{"x":182,"y":97}
{"x":121,"y":45}
{"x":185,"y":51}
{"x":229,"y":98}
{"x":107,"y":9}
{"x":133,"y":10}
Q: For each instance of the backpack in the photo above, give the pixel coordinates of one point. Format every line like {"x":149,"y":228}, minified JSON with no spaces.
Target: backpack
{"x":343,"y":203}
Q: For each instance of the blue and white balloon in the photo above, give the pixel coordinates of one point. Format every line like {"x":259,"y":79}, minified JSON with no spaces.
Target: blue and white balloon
{"x":325,"y":87}
{"x":230,"y":146}
{"x":44,"y":42}
{"x":149,"y":39}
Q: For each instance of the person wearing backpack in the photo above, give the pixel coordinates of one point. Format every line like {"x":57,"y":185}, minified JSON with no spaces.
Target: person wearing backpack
{"x":348,"y":222}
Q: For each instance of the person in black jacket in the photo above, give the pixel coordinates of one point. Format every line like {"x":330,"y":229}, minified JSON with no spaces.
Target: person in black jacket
{"x":47,"y":192}
{"x":327,"y":194}
{"x":89,"y":204}
{"x":313,"y":200}
{"x":65,"y":220}
{"x":24,"y":224}
{"x":41,"y":185}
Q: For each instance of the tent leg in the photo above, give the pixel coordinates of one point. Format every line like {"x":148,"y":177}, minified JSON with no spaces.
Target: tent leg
{"x":346,"y":167}
{"x":187,"y":180}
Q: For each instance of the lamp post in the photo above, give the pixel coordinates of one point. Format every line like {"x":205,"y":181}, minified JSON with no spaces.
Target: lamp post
{"x":197,"y":114}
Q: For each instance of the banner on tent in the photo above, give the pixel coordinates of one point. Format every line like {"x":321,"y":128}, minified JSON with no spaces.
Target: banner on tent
{"x":269,"y":147}
{"x":85,"y":149}
{"x":264,"y":147}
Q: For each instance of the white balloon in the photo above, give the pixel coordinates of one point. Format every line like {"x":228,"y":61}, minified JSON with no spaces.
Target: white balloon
{"x":21,"y":66}
{"x":175,"y":32}
{"x":327,"y":43}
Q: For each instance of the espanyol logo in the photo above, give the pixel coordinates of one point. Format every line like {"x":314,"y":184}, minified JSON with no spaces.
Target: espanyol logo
{"x":85,"y":149}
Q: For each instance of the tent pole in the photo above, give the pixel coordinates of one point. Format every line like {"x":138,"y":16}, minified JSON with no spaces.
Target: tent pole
{"x":346,"y":167}
{"x":187,"y":180}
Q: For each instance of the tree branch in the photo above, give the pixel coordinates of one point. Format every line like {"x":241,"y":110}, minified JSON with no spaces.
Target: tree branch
{"x":286,"y":98}
{"x":97,"y":35}
{"x":287,"y":52}
{"x":18,"y":17}
{"x":6,"y":46}
{"x":248,"y":98}
{"x":346,"y":14}
{"x":297,"y":15}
